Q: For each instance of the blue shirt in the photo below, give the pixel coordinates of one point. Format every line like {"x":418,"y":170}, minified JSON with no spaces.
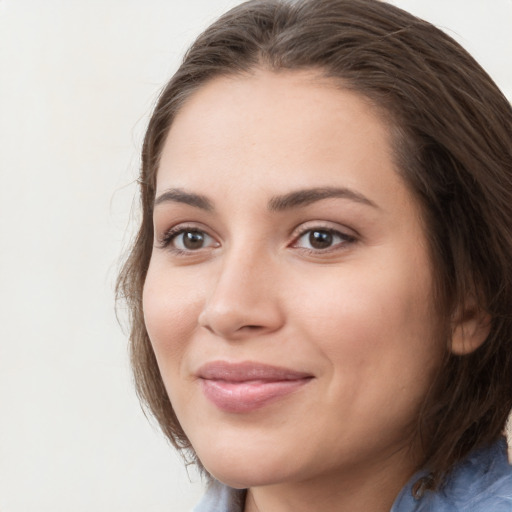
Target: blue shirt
{"x":481,"y":483}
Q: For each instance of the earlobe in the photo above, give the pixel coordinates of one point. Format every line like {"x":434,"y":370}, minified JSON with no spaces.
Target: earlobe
{"x":470,"y":331}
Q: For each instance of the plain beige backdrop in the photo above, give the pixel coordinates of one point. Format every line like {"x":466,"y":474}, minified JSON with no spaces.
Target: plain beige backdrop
{"x":77,"y":82}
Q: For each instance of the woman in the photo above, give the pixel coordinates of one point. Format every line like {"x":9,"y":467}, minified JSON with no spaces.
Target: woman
{"x":321,"y":284}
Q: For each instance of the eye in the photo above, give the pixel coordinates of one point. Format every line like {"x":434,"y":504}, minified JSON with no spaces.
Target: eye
{"x":322,"y":239}
{"x":187,"y":239}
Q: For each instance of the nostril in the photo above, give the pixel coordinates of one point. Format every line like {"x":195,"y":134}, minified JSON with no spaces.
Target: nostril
{"x":227,"y":316}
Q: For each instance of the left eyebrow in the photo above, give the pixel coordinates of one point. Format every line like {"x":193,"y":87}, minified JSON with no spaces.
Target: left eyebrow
{"x":312,"y":195}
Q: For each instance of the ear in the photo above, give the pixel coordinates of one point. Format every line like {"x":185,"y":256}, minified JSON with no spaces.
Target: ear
{"x":469,"y":330}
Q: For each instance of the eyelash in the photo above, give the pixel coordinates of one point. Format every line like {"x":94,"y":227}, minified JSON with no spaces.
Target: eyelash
{"x":345,"y":239}
{"x":172,"y":234}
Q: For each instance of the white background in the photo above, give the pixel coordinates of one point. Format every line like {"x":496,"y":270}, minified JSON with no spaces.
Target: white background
{"x":77,"y":82}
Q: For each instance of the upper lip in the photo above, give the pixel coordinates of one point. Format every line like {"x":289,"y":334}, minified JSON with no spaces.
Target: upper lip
{"x":248,"y":370}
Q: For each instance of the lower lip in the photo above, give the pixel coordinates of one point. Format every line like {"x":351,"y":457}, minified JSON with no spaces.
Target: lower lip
{"x":247,"y":396}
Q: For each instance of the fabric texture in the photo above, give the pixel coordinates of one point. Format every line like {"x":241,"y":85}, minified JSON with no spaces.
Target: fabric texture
{"x":481,"y":483}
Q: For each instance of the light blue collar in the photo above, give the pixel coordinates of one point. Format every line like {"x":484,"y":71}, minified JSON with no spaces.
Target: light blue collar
{"x":481,"y":483}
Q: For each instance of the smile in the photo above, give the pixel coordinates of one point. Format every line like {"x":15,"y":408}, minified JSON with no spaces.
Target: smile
{"x":248,"y":386}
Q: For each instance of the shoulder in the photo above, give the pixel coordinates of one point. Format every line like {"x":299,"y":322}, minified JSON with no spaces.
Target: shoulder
{"x":481,"y":483}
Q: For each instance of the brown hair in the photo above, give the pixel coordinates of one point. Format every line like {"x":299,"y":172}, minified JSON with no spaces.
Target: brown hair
{"x":453,"y":146}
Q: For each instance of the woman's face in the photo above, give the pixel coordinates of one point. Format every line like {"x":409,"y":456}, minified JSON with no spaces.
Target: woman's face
{"x":288,"y":297}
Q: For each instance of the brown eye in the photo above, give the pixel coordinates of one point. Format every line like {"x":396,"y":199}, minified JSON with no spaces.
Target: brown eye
{"x":323,"y":240}
{"x":191,"y":240}
{"x":320,"y":239}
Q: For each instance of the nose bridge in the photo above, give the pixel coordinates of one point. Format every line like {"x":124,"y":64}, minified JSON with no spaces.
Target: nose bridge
{"x":243,"y":297}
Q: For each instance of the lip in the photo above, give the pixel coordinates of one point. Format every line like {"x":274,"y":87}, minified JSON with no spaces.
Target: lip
{"x":248,"y":386}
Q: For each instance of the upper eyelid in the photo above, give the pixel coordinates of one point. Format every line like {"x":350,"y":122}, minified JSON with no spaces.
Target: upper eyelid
{"x":304,"y":227}
{"x":347,"y":237}
{"x":166,"y":235}
{"x":174,"y":237}
{"x":184,"y":225}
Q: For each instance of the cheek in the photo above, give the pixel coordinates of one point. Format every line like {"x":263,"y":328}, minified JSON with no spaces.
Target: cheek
{"x":366,"y":316}
{"x":170,"y":314}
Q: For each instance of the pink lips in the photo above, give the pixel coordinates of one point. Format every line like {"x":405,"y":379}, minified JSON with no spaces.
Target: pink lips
{"x":247,"y":386}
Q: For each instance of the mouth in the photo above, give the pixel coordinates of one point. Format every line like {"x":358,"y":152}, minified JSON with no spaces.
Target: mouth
{"x":248,"y":386}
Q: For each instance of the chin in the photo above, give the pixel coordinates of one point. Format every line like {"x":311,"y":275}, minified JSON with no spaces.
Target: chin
{"x":242,"y":470}
{"x":246,"y":478}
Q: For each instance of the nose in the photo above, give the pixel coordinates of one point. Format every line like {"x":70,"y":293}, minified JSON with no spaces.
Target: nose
{"x":244,"y":298}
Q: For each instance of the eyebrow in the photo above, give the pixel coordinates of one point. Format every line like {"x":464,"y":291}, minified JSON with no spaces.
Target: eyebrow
{"x":288,"y":201}
{"x":311,"y":195}
{"x":177,"y":195}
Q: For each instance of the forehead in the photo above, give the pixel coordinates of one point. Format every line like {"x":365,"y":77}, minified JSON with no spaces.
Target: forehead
{"x":271,"y":130}
{"x":268,"y":104}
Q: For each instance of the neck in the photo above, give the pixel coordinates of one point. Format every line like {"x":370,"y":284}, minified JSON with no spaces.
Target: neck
{"x":372,"y":489}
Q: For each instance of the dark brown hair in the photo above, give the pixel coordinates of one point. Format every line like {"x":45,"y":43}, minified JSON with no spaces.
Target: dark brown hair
{"x":452,"y":132}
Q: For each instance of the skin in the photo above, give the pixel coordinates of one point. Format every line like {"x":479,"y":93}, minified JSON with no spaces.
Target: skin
{"x":356,"y":315}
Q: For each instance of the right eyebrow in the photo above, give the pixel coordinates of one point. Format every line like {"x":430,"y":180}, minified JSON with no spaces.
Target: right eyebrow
{"x":176,"y":195}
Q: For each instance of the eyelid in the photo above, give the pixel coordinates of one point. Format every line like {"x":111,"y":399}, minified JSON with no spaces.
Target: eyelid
{"x":347,"y":235}
{"x":323,"y":225}
{"x":164,"y":240}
